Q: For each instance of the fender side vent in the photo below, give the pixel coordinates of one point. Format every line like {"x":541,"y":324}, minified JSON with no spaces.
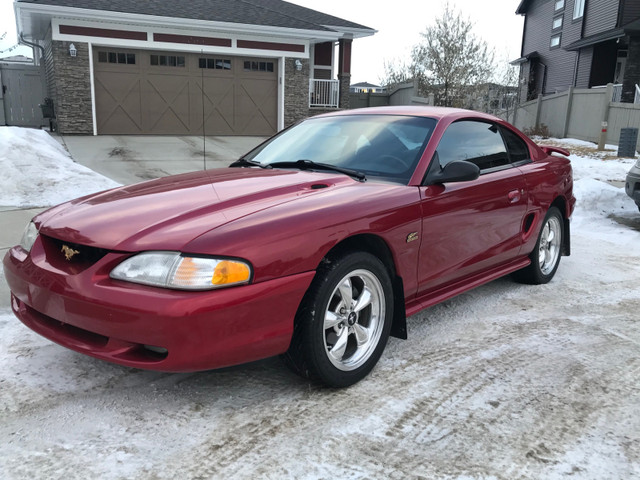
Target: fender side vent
{"x":528,"y":222}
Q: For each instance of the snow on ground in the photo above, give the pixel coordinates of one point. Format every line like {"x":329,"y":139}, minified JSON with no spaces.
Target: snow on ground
{"x":507,"y":381}
{"x":38,"y":172}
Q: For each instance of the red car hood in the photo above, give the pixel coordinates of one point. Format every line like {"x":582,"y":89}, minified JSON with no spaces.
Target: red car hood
{"x":170,"y":212}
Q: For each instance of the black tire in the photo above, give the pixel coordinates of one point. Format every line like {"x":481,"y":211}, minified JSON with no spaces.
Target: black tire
{"x":541,"y":270}
{"x":328,"y":342}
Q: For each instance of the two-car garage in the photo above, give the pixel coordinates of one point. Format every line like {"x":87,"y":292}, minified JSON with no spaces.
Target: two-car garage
{"x":154,"y":92}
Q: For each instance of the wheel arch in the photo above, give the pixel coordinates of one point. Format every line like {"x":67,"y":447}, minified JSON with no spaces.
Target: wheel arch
{"x":376,"y":246}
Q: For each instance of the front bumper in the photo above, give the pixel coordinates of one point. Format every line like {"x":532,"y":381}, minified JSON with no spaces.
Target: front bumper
{"x":152,"y":328}
{"x":632,"y":185}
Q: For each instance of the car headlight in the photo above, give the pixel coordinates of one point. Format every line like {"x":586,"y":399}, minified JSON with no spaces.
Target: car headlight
{"x":175,"y":270}
{"x":29,"y":236}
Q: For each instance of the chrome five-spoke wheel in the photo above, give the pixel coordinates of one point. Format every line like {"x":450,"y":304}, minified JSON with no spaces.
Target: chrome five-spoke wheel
{"x":545,"y":256}
{"x":549,"y":245}
{"x":354,"y":319}
{"x":343,"y":323}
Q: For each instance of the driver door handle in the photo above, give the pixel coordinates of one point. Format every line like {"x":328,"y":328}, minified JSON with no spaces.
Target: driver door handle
{"x":514,"y":196}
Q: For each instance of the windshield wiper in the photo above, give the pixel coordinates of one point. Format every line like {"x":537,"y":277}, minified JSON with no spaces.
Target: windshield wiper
{"x":311,"y":165}
{"x":243,"y":162}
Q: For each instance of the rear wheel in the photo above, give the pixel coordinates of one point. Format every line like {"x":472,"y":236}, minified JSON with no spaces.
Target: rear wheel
{"x":343,"y":323}
{"x":545,"y":257}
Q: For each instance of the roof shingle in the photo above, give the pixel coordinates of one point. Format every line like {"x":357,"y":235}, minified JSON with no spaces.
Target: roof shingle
{"x":275,"y":13}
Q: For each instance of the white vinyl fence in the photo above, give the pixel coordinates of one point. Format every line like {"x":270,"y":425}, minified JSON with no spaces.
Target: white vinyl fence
{"x":579,"y":113}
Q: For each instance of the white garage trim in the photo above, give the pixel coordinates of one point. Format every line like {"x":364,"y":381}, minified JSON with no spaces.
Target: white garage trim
{"x":93,"y":90}
{"x":281,"y":83}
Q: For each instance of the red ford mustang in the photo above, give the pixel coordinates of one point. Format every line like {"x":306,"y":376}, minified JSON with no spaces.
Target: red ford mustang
{"x":315,"y":245}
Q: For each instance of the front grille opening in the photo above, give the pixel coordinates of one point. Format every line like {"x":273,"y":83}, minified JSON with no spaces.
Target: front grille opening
{"x":75,"y":334}
{"x":71,"y":257}
{"x":79,"y":339}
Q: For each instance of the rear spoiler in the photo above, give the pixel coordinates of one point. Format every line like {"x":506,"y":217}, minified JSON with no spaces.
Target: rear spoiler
{"x":549,"y":150}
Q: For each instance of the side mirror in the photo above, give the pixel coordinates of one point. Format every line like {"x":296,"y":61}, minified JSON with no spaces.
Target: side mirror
{"x":458,"y":171}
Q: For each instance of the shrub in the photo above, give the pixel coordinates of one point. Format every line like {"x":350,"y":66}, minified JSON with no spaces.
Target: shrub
{"x":538,"y":131}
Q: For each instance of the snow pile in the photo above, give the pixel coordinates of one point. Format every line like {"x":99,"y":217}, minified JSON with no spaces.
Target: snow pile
{"x":38,"y":172}
{"x":598,"y":176}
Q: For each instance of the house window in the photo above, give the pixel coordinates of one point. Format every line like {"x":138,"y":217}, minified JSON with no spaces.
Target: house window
{"x":258,"y":66}
{"x":167,"y":60}
{"x":117,"y":57}
{"x":214,"y":63}
{"x":557,"y":23}
{"x":578,"y":9}
{"x":555,"y":41}
{"x":559,"y":5}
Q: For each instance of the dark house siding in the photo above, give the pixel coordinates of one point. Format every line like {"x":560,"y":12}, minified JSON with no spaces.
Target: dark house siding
{"x":600,"y":16}
{"x":47,"y":60}
{"x":630,"y":11}
{"x":584,"y":67}
{"x":560,"y":64}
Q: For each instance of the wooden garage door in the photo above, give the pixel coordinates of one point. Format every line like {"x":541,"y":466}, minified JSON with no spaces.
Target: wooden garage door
{"x":148,"y":92}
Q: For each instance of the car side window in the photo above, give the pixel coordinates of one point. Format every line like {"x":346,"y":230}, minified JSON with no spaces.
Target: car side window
{"x":518,"y":150}
{"x":477,"y":142}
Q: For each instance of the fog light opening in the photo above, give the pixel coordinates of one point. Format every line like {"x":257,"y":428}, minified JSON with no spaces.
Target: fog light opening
{"x":157,"y":352}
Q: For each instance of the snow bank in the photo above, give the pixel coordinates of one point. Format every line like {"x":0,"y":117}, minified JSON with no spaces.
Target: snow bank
{"x":38,"y":172}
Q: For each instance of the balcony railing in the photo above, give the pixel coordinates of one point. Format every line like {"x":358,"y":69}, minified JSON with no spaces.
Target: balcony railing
{"x":617,"y":93}
{"x":324,"y":93}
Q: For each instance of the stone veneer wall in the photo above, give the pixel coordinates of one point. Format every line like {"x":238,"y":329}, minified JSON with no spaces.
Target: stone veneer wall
{"x":345,"y":83}
{"x":296,"y":91}
{"x":72,"y":88}
{"x":631,"y":71}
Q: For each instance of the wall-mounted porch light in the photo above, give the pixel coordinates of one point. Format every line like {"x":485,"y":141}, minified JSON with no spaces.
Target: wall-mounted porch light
{"x":298,"y":65}
{"x":73,"y":51}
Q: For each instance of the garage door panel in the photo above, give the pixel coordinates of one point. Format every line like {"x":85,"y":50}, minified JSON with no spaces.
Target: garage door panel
{"x":167,"y":106}
{"x":149,"y":98}
{"x":255,"y":110}
{"x":120,"y":107}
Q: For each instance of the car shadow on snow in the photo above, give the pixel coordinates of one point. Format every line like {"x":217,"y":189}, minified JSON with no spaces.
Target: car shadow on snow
{"x":628,"y":220}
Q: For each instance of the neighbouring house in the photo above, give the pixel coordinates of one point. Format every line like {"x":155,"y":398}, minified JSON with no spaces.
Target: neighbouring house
{"x":17,"y":59}
{"x":579,"y":43}
{"x":220,"y":67}
{"x":365,"y":87}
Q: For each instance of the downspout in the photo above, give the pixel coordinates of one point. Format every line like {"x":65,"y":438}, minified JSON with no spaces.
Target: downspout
{"x":32,"y":45}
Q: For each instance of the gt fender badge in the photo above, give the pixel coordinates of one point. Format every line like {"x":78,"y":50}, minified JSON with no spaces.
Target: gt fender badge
{"x":69,"y":252}
{"x":412,"y":237}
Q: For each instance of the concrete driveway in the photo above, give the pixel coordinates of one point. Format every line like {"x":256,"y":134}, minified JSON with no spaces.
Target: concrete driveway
{"x":130,"y":159}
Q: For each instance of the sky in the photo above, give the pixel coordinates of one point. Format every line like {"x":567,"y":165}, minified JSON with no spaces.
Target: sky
{"x":398,"y":23}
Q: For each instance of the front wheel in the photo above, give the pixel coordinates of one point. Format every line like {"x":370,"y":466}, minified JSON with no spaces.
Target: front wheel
{"x":343,"y":323}
{"x":545,"y":257}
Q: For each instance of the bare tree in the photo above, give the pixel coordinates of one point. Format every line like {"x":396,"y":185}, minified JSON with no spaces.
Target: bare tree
{"x":450,"y":60}
{"x":507,"y":77}
{"x":6,"y":49}
{"x":395,"y":73}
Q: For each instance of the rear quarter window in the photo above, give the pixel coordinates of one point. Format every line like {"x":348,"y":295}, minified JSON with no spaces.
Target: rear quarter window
{"x":517,"y":148}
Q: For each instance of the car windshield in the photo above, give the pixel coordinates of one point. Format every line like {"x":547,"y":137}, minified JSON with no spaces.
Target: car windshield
{"x":382,"y":147}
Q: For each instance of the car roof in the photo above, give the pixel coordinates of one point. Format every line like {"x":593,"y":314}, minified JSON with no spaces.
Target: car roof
{"x":417,"y":111}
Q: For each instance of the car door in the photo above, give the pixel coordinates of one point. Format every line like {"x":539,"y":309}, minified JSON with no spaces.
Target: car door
{"x":474,"y":226}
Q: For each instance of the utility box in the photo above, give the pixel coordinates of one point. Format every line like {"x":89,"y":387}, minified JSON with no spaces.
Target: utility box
{"x":628,"y":142}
